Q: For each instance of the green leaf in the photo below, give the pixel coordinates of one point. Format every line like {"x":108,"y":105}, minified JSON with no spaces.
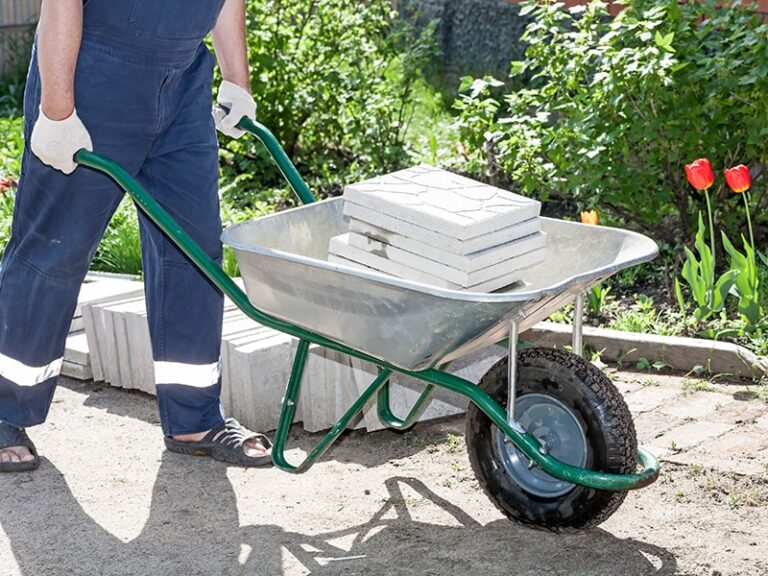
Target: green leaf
{"x":516,"y":67}
{"x":664,"y":42}
{"x":679,"y":296}
{"x":722,"y":287}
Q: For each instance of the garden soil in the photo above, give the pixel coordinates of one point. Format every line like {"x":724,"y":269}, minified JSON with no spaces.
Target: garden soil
{"x":109,"y":500}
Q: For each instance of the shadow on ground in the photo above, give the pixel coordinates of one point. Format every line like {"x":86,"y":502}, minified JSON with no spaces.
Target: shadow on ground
{"x":141,"y":406}
{"x":193,"y":528}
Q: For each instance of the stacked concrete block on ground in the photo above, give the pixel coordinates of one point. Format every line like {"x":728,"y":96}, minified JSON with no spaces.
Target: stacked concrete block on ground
{"x":431,"y":226}
{"x":256,"y":365}
{"x":255,"y":360}
{"x":96,"y":288}
{"x":77,"y":359}
{"x":406,"y":390}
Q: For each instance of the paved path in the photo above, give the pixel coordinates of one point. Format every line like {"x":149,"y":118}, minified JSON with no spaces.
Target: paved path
{"x":109,"y":500}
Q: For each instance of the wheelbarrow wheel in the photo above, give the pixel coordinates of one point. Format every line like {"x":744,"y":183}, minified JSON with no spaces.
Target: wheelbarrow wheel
{"x":580,"y":418}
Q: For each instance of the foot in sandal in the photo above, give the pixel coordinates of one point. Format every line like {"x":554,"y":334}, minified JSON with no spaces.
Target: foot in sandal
{"x":228,"y":442}
{"x":17,"y":452}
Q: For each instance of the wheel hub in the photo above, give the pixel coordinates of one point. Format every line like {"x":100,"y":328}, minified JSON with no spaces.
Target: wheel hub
{"x":556,"y":427}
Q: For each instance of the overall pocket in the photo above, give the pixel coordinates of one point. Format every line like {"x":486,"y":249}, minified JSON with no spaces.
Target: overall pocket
{"x":174,"y":19}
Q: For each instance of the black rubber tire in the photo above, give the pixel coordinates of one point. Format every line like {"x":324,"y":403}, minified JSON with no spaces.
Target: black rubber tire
{"x":603,"y":415}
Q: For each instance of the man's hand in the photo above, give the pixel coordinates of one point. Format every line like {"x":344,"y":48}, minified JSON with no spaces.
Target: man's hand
{"x":58,"y":132}
{"x":55,"y":142}
{"x":239,"y":102}
{"x":231,"y":52}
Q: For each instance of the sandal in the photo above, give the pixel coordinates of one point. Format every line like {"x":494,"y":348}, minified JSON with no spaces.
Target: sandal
{"x":12,"y":436}
{"x":225,"y":444}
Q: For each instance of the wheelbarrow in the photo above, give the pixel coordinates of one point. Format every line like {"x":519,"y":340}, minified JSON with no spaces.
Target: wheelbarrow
{"x":550,"y":438}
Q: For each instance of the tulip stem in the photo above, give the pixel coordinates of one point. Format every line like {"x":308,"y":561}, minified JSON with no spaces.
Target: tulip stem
{"x":749,"y":219}
{"x":711,"y":227}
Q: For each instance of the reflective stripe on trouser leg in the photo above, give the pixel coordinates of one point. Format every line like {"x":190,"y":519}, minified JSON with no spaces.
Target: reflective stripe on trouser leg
{"x":188,"y":396}
{"x":57,"y":223}
{"x":185,"y":310}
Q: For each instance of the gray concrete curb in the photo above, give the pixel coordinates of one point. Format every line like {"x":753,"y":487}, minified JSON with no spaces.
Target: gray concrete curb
{"x":678,"y":352}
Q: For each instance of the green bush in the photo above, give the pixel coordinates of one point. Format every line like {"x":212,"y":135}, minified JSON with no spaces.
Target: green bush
{"x":11,"y":147}
{"x":120,"y":249}
{"x":607,"y":111}
{"x":334,"y":80}
{"x":17,"y":48}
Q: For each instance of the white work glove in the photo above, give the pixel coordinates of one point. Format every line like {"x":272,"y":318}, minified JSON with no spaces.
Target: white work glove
{"x":239,"y":103}
{"x":55,"y":142}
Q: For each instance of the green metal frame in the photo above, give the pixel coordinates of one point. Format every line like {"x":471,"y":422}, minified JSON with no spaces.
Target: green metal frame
{"x":380,"y":386}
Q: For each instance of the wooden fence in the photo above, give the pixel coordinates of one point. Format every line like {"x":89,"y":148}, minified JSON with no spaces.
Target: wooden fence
{"x":17,"y":20}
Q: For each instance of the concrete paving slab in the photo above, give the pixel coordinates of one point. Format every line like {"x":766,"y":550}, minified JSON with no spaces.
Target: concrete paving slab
{"x":510,"y":264}
{"x":651,"y":425}
{"x":741,"y":411}
{"x":438,"y":239}
{"x":97,"y":290}
{"x":327,"y":373}
{"x":344,"y":254}
{"x":738,"y":449}
{"x":697,"y":405}
{"x":678,"y":352}
{"x":76,"y":371}
{"x":690,"y":434}
{"x":143,"y":369}
{"x":255,"y":375}
{"x":650,"y":397}
{"x":442,"y":201}
{"x":405,"y":391}
{"x":465,"y":263}
{"x":76,"y":349}
{"x":130,"y":351}
{"x":100,"y":336}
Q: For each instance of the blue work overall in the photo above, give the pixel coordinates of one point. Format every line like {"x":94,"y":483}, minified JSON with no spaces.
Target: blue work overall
{"x":143,"y":90}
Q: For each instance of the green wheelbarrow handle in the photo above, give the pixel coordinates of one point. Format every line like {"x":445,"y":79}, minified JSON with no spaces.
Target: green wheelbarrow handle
{"x":525,"y":442}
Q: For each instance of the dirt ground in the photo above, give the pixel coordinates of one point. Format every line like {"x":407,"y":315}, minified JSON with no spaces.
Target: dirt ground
{"x":109,"y":500}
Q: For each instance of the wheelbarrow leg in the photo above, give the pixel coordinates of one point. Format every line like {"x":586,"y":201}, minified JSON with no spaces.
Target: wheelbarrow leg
{"x":577,"y":346}
{"x":512,"y":369}
{"x":289,"y":410}
{"x":390,"y":420}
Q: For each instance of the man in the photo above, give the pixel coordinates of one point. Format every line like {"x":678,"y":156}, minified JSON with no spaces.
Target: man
{"x":132,"y":81}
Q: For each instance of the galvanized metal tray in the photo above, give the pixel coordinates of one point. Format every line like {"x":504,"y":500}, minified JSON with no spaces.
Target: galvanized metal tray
{"x":414,"y":326}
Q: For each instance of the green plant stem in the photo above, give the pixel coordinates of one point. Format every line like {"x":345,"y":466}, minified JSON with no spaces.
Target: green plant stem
{"x":749,"y":219}
{"x":711,"y":227}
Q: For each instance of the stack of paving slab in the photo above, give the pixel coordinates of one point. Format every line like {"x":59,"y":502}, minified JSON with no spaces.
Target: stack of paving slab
{"x":432,"y":226}
{"x":256,"y":364}
{"x":255,"y":360}
{"x":95,"y":289}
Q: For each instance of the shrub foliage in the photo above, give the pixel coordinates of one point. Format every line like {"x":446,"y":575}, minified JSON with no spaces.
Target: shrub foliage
{"x":606,"y":111}
{"x":333,"y":79}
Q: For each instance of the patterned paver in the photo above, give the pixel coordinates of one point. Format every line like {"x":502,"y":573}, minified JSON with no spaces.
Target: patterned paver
{"x":442,"y":201}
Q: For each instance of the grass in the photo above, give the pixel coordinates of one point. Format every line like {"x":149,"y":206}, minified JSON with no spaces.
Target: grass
{"x":455,"y":442}
{"x":431,"y":137}
{"x":120,"y":248}
{"x":691,"y":386}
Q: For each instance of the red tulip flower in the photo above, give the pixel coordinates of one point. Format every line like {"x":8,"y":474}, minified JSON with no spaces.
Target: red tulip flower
{"x":738,"y":178}
{"x":6,"y":184}
{"x":699,"y":173}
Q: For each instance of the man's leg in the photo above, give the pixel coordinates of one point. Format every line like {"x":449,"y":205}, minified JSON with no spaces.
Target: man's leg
{"x":185,"y":310}
{"x":58,"y":221}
